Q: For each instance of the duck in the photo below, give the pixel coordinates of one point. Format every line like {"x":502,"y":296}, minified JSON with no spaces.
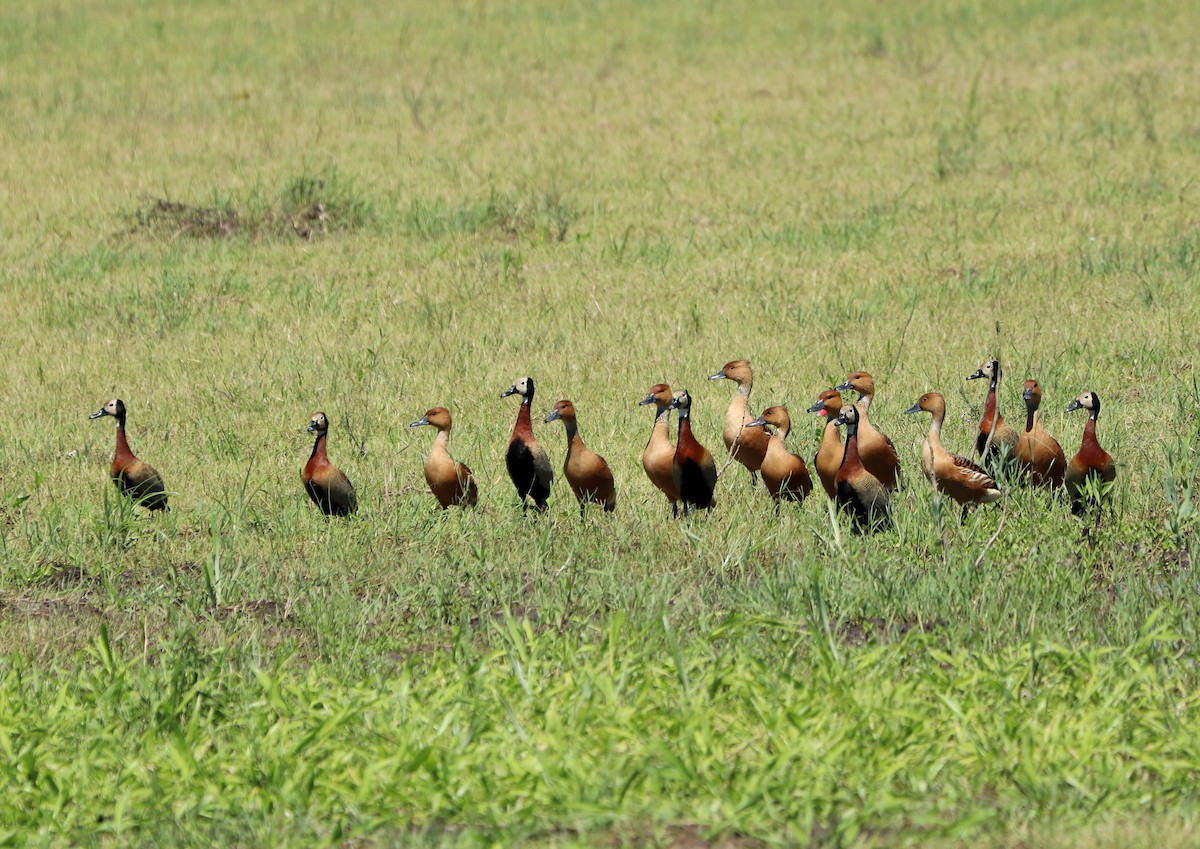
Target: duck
{"x":859,"y":492}
{"x":952,"y":474}
{"x":135,"y":479}
{"x":829,"y":455}
{"x":586,"y":471}
{"x":1003,"y":436}
{"x":660,"y":452}
{"x":784,"y":473}
{"x":1038,"y":453}
{"x":528,"y":465}
{"x":748,"y":447}
{"x":325,"y":483}
{"x":1091,"y":462}
{"x":692,"y":468}
{"x":878,"y":453}
{"x":450,"y":481}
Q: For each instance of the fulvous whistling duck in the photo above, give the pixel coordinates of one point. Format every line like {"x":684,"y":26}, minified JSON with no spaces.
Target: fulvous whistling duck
{"x":325,"y":483}
{"x":586,"y":471}
{"x":952,"y":474}
{"x":748,"y":447}
{"x":1091,"y":462}
{"x":1038,"y":453}
{"x":692,"y":469}
{"x":829,"y":455}
{"x":660,"y":453}
{"x":876,"y":450}
{"x":859,"y":492}
{"x":450,"y":481}
{"x":1004,"y":436}
{"x":784,"y":473}
{"x":134,"y":478}
{"x":527,"y":463}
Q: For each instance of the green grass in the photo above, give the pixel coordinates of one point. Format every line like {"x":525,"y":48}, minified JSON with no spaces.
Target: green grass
{"x":231,"y":217}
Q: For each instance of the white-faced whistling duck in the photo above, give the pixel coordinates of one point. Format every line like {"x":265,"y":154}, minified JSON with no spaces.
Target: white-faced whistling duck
{"x":660,"y":453}
{"x":586,"y":471}
{"x":876,"y":450}
{"x":1038,"y":453}
{"x":325,"y":483}
{"x":134,"y":478}
{"x":952,"y":474}
{"x":1091,"y":462}
{"x":748,"y":447}
{"x":1004,"y":436}
{"x":859,"y":492}
{"x":450,"y":481}
{"x":527,"y":463}
{"x":784,"y":473}
{"x":829,"y":455}
{"x":693,"y":469}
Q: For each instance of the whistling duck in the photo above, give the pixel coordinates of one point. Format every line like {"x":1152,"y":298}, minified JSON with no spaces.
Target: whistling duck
{"x":134,"y":478}
{"x":876,"y":450}
{"x":450,"y":481}
{"x":1091,"y":462}
{"x":660,"y":453}
{"x":829,"y":455}
{"x":325,"y":483}
{"x":527,"y":463}
{"x":952,"y":474}
{"x":692,"y":469}
{"x":1004,"y":436}
{"x":784,"y":473}
{"x":748,"y":447}
{"x":586,"y":471}
{"x":859,"y":492}
{"x":1038,"y":453}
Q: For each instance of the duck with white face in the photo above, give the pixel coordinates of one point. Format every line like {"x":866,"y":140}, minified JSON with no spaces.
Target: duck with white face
{"x":134,"y":478}
{"x":526,"y":460}
{"x":1091,"y":470}
{"x":325,"y":483}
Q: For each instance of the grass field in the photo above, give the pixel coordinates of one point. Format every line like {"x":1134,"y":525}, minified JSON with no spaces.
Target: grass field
{"x":232,"y":216}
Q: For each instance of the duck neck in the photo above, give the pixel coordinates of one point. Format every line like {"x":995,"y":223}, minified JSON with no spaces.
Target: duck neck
{"x":318,"y":452}
{"x":851,"y":456}
{"x":935,"y":428}
{"x":124,"y":452}
{"x":524,"y":425}
{"x":865,"y":399}
{"x":685,"y":425}
{"x":1089,"y":430}
{"x":574,"y":440}
{"x":1030,"y":417}
{"x":443,"y":439}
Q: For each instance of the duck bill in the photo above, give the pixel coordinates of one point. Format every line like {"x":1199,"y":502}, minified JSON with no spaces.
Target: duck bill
{"x":649,"y":399}
{"x":843,"y":386}
{"x":512,"y":390}
{"x":98,"y":414}
{"x":818,"y":408}
{"x":759,"y":422}
{"x":424,"y":420}
{"x":978,"y":374}
{"x":553,"y":417}
{"x":915,"y":408}
{"x":1074,"y":405}
{"x":718,"y":376}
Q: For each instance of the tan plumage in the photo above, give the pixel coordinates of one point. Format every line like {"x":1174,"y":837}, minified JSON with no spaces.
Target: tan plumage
{"x":784,"y":473}
{"x":748,"y":447}
{"x":659,"y":455}
{"x":325,"y":483}
{"x":876,"y":450}
{"x":134,"y":478}
{"x":1039,"y":453}
{"x":1004,"y":437}
{"x":952,"y":474}
{"x":829,"y":455}
{"x":450,"y":481}
{"x":1091,"y":462}
{"x":586,"y":471}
